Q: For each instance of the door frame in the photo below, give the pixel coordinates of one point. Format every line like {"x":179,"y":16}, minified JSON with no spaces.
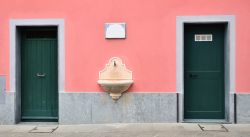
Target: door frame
{"x":229,"y":53}
{"x":15,"y":55}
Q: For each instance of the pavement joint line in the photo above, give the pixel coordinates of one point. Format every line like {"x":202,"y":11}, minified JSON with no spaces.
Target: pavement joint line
{"x":224,"y":129}
{"x":55,"y":129}
{"x":202,"y":128}
{"x":32,"y":129}
{"x":36,"y":128}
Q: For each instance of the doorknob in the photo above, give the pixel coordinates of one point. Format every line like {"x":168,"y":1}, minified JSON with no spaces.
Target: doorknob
{"x":193,"y":75}
{"x":40,"y":75}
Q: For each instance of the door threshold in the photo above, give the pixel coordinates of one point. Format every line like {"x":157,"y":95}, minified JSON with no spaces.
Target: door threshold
{"x":219,"y":121}
{"x":38,"y":119}
{"x":38,"y":123}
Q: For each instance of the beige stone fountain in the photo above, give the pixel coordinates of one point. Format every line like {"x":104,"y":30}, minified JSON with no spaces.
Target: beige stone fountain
{"x":115,"y":78}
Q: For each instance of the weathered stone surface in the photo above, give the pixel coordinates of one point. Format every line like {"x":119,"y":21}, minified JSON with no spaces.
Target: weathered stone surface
{"x":2,"y":90}
{"x":7,"y":111}
{"x":243,"y":108}
{"x":130,"y":108}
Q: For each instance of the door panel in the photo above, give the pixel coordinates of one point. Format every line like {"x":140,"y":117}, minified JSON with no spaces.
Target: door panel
{"x":39,"y":77}
{"x":204,"y":72}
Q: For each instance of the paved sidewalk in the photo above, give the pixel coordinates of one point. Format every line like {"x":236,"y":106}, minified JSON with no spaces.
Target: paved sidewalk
{"x":125,"y":130}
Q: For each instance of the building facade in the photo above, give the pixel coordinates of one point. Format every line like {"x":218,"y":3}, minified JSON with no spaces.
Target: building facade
{"x":187,"y":60}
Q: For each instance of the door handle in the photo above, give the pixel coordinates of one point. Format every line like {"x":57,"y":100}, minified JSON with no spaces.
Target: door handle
{"x":193,"y":75}
{"x":40,"y":75}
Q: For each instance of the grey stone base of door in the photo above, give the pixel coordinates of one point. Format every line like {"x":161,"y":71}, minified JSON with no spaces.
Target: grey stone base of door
{"x":77,"y":108}
{"x":81,"y":108}
{"x":7,"y":111}
{"x":243,"y":108}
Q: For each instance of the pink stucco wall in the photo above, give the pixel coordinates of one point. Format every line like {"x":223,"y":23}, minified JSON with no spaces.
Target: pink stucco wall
{"x":148,"y":50}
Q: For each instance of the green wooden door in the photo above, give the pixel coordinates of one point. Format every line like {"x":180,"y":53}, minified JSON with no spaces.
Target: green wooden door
{"x":204,"y":71}
{"x":39,"y":93}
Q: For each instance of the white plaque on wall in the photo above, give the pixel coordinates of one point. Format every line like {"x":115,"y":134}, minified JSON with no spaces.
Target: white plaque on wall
{"x":115,"y":30}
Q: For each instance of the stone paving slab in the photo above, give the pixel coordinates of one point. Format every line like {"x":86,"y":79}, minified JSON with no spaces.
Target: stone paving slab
{"x":23,"y":128}
{"x":126,"y":130}
{"x":6,"y":128}
{"x":213,"y":127}
{"x":238,"y":127}
{"x":127,"y":134}
{"x":44,"y":129}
